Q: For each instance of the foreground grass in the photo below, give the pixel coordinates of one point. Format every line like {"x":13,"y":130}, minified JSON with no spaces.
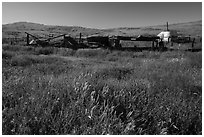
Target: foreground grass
{"x":110,"y":92}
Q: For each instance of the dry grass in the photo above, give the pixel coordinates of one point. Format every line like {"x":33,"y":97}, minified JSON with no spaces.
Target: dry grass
{"x":111,"y":92}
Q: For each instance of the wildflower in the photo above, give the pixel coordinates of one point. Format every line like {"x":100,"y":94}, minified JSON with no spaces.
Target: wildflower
{"x":93,"y":95}
{"x":86,"y":86}
{"x":164,"y":131}
{"x":130,"y":126}
{"x":92,"y":110}
{"x":105,"y":91}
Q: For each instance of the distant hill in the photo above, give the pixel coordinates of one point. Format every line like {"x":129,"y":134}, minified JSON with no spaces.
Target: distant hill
{"x":17,"y":30}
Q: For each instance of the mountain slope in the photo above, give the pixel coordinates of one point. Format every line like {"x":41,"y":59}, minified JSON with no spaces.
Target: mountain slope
{"x":18,"y":29}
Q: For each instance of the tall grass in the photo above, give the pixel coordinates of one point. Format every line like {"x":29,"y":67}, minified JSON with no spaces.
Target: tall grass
{"x":137,"y":93}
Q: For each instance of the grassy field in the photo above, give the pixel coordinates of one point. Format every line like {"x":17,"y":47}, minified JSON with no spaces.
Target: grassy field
{"x":62,"y":91}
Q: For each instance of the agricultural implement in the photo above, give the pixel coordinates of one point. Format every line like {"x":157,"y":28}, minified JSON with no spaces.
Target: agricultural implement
{"x":40,"y":42}
{"x":182,"y":39}
{"x":117,"y":40}
{"x":67,"y":41}
{"x":98,"y":41}
{"x":158,"y":42}
{"x":114,"y":42}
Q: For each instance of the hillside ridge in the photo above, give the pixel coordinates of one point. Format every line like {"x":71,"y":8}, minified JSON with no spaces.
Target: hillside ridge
{"x":188,"y":28}
{"x":32,"y":23}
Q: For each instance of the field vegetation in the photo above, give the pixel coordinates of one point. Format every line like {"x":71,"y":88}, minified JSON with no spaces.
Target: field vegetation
{"x":60,"y":91}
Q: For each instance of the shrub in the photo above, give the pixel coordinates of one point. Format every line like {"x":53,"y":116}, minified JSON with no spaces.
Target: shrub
{"x":65,"y":51}
{"x":114,"y":72}
{"x":19,"y":49}
{"x":54,"y":68}
{"x":7,"y":54}
{"x":44,"y":50}
{"x":26,"y":60}
{"x":12,"y":47}
{"x":91,"y":53}
{"x":195,"y":59}
{"x":21,"y":60}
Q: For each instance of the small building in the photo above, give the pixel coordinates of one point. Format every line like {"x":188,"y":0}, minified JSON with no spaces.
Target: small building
{"x":165,"y":36}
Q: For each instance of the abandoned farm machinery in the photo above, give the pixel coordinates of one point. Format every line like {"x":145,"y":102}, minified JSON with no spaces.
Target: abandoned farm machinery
{"x":158,"y":42}
{"x":112,"y":42}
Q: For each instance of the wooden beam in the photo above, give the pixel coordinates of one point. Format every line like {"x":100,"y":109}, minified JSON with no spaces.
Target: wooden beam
{"x":27,"y":39}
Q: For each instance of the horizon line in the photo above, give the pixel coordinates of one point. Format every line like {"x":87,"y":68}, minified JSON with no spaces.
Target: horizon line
{"x":100,"y":28}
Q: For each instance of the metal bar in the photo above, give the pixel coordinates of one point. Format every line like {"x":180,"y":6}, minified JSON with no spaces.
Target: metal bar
{"x":32,"y":35}
{"x":55,"y":37}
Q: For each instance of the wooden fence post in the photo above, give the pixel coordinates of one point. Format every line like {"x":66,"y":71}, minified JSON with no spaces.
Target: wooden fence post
{"x":193,"y":43}
{"x":80,"y":37}
{"x":27,"y":40}
{"x":64,"y":42}
{"x":153,"y":45}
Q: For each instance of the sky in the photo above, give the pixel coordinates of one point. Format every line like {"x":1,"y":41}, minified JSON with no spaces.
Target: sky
{"x":101,"y":14}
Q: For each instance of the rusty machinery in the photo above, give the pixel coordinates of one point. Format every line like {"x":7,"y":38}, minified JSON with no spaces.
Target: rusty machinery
{"x":152,"y":39}
{"x":113,"y":42}
{"x":182,"y":39}
{"x":40,"y":42}
{"x":98,"y":41}
{"x":67,"y":41}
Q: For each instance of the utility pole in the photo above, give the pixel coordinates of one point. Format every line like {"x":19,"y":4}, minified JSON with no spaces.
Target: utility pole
{"x":167,"y":26}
